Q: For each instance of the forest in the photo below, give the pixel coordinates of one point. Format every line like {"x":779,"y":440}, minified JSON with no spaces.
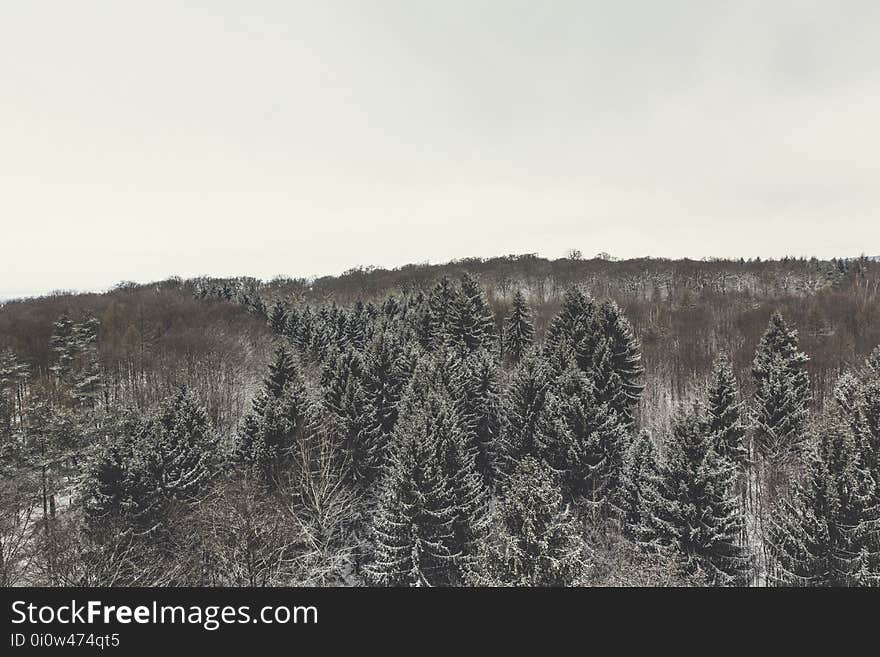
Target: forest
{"x":513,"y":421}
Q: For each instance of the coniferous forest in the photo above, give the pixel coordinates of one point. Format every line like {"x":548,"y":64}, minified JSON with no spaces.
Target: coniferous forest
{"x":514,"y":421}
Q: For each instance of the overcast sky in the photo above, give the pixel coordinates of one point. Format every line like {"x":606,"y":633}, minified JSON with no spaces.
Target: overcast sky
{"x":141,"y":139}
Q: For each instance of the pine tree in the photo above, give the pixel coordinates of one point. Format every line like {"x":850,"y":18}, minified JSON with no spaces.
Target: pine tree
{"x":525,"y":411}
{"x":782,"y":396}
{"x":62,"y":346}
{"x":282,"y":416}
{"x":724,"y":414}
{"x":278,"y":318}
{"x":640,"y":500}
{"x":479,"y":399}
{"x":574,"y":327}
{"x":536,"y":541}
{"x":87,"y":380}
{"x":583,"y":439}
{"x":350,"y":410}
{"x":828,"y":533}
{"x":519,"y":333}
{"x":384,"y":380}
{"x":470,"y":325}
{"x":626,"y":357}
{"x":699,"y":511}
{"x":439,"y":310}
{"x":414,"y":535}
{"x":174,"y":455}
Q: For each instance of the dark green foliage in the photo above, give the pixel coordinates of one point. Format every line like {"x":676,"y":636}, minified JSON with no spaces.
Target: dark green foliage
{"x":525,"y":411}
{"x":782,"y":393}
{"x":280,"y":420}
{"x":828,"y":533}
{"x":519,"y":332}
{"x":699,"y":510}
{"x":640,"y":501}
{"x":535,"y":542}
{"x":724,"y":414}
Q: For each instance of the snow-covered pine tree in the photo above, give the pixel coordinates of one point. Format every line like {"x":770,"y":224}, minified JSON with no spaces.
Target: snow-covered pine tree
{"x":519,"y":332}
{"x":282,"y":415}
{"x":440,"y":387}
{"x":479,"y":398}
{"x":626,"y":356}
{"x":87,"y":383}
{"x":828,"y":532}
{"x":384,"y":380}
{"x":350,"y":411}
{"x":62,"y":347}
{"x":278,"y":318}
{"x":524,"y":410}
{"x":724,"y":417}
{"x":574,"y":326}
{"x":699,"y":508}
{"x":535,"y":542}
{"x":640,"y":500}
{"x":414,"y":527}
{"x":470,"y":324}
{"x":174,"y":455}
{"x":607,"y":383}
{"x":782,"y":397}
{"x":582,"y":438}
{"x":439,"y":310}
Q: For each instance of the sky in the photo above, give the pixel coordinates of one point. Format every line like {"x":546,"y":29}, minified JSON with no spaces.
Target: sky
{"x":143,"y":139}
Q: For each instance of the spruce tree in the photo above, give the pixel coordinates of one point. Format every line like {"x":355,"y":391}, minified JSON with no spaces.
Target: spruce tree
{"x":384,"y":380}
{"x":640,"y":499}
{"x":782,"y":396}
{"x":439,"y":311}
{"x":476,"y":389}
{"x":470,"y":325}
{"x":583,"y":439}
{"x":414,"y":534}
{"x":535,"y":541}
{"x":282,"y":416}
{"x":828,"y":533}
{"x":525,"y":411}
{"x":699,"y":511}
{"x":724,"y":416}
{"x":62,"y":347}
{"x":87,"y":380}
{"x":519,"y":333}
{"x":174,"y":455}
{"x":626,"y":356}
{"x":278,"y":318}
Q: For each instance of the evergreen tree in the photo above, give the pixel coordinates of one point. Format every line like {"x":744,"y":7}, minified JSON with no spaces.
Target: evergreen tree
{"x":87,"y":380}
{"x":350,"y":410}
{"x":782,"y":396}
{"x":724,"y":414}
{"x":470,"y":325}
{"x":174,"y":455}
{"x":477,"y":391}
{"x":535,"y":540}
{"x":414,"y":538}
{"x":640,"y":499}
{"x":574,"y":327}
{"x":828,"y":534}
{"x":699,"y":511}
{"x":519,"y":333}
{"x":626,"y":357}
{"x":582,"y":439}
{"x":525,"y":411}
{"x":439,"y":311}
{"x":62,"y":347}
{"x":278,"y":318}
{"x":384,"y":379}
{"x":281,"y":417}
